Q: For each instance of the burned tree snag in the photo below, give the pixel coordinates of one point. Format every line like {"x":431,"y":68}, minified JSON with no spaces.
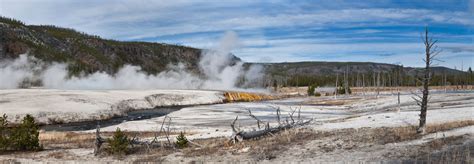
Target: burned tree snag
{"x":335,"y":91}
{"x":98,"y":141}
{"x":431,"y":52}
{"x":346,"y":81}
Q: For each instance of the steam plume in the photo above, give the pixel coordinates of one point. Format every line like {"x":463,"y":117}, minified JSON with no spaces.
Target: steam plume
{"x":218,"y":67}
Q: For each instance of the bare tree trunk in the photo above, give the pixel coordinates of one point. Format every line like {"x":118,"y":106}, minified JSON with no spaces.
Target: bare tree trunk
{"x":335,"y":92}
{"x":374,"y":83}
{"x":363,"y":85}
{"x":383,"y":81}
{"x":378,"y":85}
{"x":462,"y":77}
{"x":358,"y":80}
{"x":430,"y":53}
{"x":398,"y":83}
{"x":98,"y":141}
{"x":346,"y":82}
{"x":445,"y":83}
{"x":297,"y":81}
{"x":398,"y":100}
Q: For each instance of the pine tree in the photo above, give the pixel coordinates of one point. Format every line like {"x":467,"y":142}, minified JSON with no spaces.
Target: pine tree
{"x":311,"y":90}
{"x":181,"y":141}
{"x":118,"y":144}
{"x":25,"y":137}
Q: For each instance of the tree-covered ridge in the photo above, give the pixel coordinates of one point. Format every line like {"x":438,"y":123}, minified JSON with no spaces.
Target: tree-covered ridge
{"x":89,"y":53}
{"x":358,"y":74}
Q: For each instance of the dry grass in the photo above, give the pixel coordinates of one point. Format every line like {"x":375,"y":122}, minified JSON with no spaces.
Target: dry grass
{"x":451,"y":150}
{"x":447,"y":126}
{"x":269,"y":147}
{"x":258,"y":149}
{"x":57,"y":155}
{"x":386,"y":135}
{"x":439,"y":143}
{"x":85,"y":140}
{"x":66,"y":140}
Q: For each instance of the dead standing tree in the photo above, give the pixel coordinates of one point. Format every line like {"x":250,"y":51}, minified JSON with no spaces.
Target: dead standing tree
{"x":346,"y":81}
{"x":431,"y":51}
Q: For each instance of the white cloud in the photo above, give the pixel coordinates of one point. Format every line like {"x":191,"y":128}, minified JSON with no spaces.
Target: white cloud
{"x":471,"y":6}
{"x":144,"y":18}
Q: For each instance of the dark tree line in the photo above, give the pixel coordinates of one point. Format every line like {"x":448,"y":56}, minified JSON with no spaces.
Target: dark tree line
{"x":395,"y":77}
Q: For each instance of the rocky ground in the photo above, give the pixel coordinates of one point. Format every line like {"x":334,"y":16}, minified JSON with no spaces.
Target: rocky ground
{"x":350,"y":129}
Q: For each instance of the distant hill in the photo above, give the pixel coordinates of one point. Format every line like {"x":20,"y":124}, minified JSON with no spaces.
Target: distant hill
{"x":317,"y":68}
{"x":89,"y":53}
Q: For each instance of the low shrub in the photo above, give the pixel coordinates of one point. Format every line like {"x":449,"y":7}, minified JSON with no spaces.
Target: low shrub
{"x":181,"y":141}
{"x":311,"y":89}
{"x":342,"y":90}
{"x":118,"y":144}
{"x":4,"y":139}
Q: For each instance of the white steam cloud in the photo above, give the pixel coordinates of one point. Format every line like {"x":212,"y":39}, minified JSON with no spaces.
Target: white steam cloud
{"x":218,"y":67}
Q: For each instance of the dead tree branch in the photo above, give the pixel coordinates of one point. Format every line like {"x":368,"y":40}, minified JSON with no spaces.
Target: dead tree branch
{"x":254,"y":117}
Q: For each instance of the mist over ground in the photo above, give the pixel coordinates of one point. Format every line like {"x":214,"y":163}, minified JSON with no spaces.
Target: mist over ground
{"x":219,"y":72}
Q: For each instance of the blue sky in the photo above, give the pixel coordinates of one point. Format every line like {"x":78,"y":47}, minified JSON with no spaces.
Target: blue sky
{"x":385,"y":31}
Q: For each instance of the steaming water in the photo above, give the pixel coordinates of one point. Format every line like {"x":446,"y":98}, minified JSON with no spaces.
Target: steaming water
{"x":131,"y":116}
{"x":221,"y":73}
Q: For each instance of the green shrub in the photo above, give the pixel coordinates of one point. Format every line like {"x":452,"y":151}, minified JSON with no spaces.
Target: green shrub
{"x":311,"y":90}
{"x":4,"y":139}
{"x":342,"y":90}
{"x":181,"y":141}
{"x":118,"y":144}
{"x":25,"y":136}
{"x":317,"y":94}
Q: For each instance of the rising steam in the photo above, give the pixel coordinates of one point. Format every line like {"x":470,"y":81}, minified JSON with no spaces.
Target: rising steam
{"x":218,"y":67}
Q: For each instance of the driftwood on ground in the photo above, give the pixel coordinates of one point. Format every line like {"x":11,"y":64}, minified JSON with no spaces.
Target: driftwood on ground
{"x":240,"y":135}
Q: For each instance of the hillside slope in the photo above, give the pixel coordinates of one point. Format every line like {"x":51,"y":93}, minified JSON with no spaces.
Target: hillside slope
{"x":89,"y":53}
{"x":317,"y":68}
{"x":326,"y":73}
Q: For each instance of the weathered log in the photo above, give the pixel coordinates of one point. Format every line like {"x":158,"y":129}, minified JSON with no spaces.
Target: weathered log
{"x":239,"y":135}
{"x":246,"y":135}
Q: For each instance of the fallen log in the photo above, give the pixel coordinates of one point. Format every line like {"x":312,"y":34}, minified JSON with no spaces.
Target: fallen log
{"x":246,"y":135}
{"x":239,"y":135}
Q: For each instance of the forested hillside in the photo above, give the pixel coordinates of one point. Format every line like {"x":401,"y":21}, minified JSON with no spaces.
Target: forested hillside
{"x":88,"y":53}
